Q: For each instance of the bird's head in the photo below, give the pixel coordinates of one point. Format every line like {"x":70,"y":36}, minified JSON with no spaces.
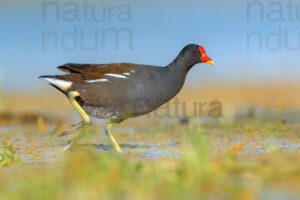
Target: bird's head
{"x":197,"y":54}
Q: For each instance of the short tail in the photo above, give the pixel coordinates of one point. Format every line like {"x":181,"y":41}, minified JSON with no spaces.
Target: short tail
{"x":58,"y":82}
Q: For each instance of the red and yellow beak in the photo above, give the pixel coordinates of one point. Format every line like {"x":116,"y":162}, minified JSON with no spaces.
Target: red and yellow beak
{"x":204,"y":57}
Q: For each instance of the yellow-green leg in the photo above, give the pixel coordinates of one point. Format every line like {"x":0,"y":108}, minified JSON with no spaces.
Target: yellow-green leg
{"x":86,"y":121}
{"x":108,"y":130}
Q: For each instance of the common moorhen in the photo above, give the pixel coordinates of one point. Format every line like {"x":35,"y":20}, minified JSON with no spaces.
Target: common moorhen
{"x":120,"y":91}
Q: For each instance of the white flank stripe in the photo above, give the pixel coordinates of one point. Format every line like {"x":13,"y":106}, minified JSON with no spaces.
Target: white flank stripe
{"x":116,"y":75}
{"x":97,"y":80}
{"x":64,"y":85}
{"x":126,"y":74}
{"x":132,"y":71}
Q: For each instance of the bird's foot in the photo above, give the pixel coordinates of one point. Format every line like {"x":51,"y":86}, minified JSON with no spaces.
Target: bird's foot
{"x":82,"y":129}
{"x":77,"y":125}
{"x":82,"y":125}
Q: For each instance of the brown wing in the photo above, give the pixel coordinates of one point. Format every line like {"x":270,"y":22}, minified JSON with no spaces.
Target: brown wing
{"x":83,"y":75}
{"x":96,"y":71}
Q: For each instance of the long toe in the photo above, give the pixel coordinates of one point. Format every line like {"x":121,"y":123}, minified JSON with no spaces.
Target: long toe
{"x":79,"y":123}
{"x":70,"y":132}
{"x":68,"y":146}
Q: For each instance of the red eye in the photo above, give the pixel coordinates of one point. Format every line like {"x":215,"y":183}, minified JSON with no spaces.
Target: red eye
{"x":194,"y":51}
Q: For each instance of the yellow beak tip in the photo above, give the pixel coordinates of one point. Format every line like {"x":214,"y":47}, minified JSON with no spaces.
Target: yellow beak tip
{"x":211,"y":62}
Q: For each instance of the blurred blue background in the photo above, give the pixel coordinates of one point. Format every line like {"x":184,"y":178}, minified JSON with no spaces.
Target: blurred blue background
{"x":36,"y":36}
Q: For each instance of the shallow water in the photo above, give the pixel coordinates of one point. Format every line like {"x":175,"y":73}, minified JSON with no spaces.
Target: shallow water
{"x":147,"y":142}
{"x":252,"y":143}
